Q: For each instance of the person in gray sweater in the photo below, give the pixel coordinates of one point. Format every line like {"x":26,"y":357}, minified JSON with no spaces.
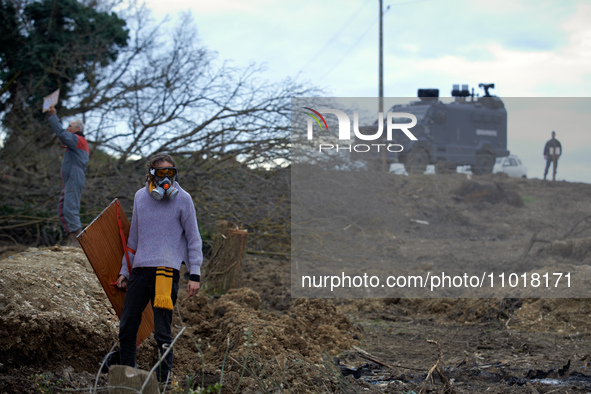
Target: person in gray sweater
{"x":72,"y":173}
{"x":164,"y":233}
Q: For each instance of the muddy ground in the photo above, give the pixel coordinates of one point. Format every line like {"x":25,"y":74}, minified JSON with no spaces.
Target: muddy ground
{"x":56,"y":323}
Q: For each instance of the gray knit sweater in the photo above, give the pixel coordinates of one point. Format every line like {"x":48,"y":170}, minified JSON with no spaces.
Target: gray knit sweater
{"x":164,"y":233}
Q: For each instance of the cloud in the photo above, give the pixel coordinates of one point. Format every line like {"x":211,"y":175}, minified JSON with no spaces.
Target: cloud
{"x":521,"y":68}
{"x":160,"y":7}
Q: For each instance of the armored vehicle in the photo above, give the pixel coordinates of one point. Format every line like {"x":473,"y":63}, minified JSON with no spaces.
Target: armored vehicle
{"x":471,"y":130}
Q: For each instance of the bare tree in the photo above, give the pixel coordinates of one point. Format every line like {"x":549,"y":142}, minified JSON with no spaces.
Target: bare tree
{"x":163,"y":92}
{"x":168,"y":93}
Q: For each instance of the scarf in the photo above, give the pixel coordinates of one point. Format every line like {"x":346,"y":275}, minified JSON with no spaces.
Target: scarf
{"x":163,"y":288}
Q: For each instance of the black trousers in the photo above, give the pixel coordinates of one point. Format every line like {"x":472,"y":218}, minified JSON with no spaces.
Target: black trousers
{"x":141,"y":290}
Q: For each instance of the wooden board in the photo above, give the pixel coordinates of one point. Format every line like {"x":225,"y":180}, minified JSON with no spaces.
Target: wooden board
{"x":101,"y":242}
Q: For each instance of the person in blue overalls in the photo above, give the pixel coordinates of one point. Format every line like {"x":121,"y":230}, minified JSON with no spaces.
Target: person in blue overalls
{"x":72,"y":172}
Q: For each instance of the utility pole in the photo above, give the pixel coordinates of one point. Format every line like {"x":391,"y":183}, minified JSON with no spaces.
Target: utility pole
{"x":381,"y":60}
{"x":381,"y":82}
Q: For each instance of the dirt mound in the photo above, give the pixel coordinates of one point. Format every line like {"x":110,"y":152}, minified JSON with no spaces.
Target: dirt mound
{"x":271,"y":279}
{"x":565,"y":316}
{"x":54,"y":315}
{"x":474,"y":192}
{"x":233,"y":327}
{"x":53,"y":310}
{"x":309,"y":328}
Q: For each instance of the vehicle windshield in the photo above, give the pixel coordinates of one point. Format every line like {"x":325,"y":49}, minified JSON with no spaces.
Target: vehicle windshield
{"x":417,"y":110}
{"x":499,"y":160}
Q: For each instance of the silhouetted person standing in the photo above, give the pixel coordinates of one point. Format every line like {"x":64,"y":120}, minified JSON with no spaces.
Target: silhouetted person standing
{"x":552,"y":152}
{"x":72,"y":173}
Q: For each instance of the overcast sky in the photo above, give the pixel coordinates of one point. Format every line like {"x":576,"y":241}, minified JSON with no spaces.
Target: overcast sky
{"x":527,"y":48}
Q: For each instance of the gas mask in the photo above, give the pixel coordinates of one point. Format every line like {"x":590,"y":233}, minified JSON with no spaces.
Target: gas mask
{"x":163,"y":183}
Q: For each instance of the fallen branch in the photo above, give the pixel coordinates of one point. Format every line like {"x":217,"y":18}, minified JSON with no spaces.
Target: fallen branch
{"x":534,"y":238}
{"x":447,"y":386}
{"x":286,"y":255}
{"x":368,"y":356}
{"x":571,"y":231}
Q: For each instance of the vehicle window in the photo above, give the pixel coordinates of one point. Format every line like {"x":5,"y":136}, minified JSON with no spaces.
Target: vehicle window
{"x":512,"y":162}
{"x":499,"y":160}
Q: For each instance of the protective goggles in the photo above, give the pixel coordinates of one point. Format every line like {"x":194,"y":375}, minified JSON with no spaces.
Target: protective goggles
{"x":163,"y":172}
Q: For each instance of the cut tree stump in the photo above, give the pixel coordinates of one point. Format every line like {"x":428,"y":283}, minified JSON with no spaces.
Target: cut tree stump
{"x":229,"y":247}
